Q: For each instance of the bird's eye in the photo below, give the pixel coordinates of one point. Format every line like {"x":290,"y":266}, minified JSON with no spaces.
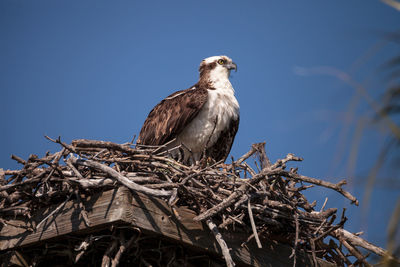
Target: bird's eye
{"x":221,"y":61}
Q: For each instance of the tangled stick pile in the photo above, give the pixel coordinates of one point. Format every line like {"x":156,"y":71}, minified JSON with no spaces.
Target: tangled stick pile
{"x":267,"y":203}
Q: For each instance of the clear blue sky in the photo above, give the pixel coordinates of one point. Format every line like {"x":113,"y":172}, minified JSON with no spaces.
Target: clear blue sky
{"x":94,"y":69}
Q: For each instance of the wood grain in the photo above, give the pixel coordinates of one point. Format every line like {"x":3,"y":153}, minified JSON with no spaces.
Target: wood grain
{"x":103,"y":209}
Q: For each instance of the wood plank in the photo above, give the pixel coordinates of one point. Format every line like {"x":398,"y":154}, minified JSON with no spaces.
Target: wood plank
{"x":156,"y":216}
{"x":103,"y":209}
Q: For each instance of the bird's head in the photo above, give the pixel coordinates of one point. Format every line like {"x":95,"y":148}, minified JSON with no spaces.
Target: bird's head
{"x":216,"y":67}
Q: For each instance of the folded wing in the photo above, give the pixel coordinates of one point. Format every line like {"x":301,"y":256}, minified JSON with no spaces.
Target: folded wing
{"x":166,"y":120}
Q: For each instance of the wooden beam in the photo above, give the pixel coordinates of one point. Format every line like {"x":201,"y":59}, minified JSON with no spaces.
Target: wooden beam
{"x":156,"y":216}
{"x":153,"y":216}
{"x":104,"y":209}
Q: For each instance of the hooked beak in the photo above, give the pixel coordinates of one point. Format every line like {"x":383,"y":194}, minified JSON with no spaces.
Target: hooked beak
{"x":231,"y":66}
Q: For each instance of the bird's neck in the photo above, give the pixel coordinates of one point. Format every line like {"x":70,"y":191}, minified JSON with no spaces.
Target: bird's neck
{"x":217,"y":79}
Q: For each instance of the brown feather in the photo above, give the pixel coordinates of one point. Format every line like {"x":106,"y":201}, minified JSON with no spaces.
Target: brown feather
{"x":171,"y":115}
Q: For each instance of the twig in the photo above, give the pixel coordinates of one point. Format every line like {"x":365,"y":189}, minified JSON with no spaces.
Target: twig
{"x":225,"y":250}
{"x":18,"y":159}
{"x":253,"y":225}
{"x":246,"y":156}
{"x":107,"y":255}
{"x":82,"y":248}
{"x":84,"y":143}
{"x":337,"y":187}
{"x":82,"y":208}
{"x":58,"y":141}
{"x":314,"y":256}
{"x":122,"y":179}
{"x":358,"y":241}
{"x":356,"y":253}
{"x":232,"y":198}
{"x":76,"y":172}
{"x":323,"y":206}
{"x":124,"y":246}
{"x":296,"y":240}
{"x":263,"y":158}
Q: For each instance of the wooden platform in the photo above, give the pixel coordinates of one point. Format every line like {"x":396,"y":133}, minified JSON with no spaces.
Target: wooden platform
{"x":150,"y":215}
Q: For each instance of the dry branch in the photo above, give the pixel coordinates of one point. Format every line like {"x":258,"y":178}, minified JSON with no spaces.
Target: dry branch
{"x":225,"y":250}
{"x":120,"y":178}
{"x":276,"y":208}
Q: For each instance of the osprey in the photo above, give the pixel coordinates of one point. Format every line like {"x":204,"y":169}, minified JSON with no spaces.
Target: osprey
{"x":201,"y":121}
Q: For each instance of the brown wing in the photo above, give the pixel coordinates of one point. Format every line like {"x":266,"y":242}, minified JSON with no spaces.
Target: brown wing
{"x":220,"y":150}
{"x":171,"y":115}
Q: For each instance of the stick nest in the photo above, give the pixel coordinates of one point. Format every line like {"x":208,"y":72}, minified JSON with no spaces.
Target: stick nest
{"x":267,"y":203}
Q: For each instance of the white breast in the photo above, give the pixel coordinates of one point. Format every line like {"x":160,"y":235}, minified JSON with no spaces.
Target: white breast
{"x":215,"y":116}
